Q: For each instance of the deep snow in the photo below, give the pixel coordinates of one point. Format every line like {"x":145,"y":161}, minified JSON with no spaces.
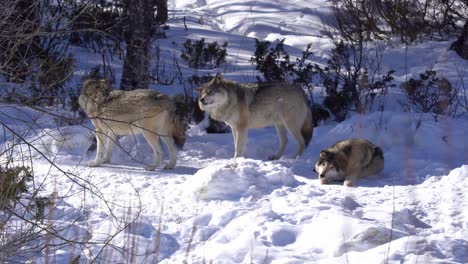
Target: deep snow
{"x":250,"y":210}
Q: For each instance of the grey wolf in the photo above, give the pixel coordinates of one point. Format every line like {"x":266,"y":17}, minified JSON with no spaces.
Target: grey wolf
{"x":147,"y":112}
{"x":349,"y":160}
{"x":244,"y":106}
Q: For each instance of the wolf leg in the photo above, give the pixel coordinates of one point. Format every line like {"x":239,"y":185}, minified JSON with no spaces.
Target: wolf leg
{"x":169,"y":142}
{"x":100,"y":139}
{"x":323,"y":180}
{"x":241,"y":135}
{"x":350,"y":180}
{"x":283,"y":140}
{"x":234,"y":135}
{"x":153,"y":140}
{"x":111,"y":141}
{"x":295,"y":131}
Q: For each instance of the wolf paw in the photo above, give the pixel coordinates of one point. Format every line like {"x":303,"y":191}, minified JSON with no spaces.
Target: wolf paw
{"x":94,"y":163}
{"x":150,"y":168}
{"x":348,"y":183}
{"x":323,"y":181}
{"x":274,"y":157}
{"x":169,"y":166}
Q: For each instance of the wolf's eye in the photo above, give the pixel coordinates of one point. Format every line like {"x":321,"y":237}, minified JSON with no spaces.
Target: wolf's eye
{"x":209,"y":92}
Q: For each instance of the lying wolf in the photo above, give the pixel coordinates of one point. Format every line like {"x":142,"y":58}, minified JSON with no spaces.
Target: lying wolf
{"x":244,"y":106}
{"x":141,"y":111}
{"x":349,"y":160}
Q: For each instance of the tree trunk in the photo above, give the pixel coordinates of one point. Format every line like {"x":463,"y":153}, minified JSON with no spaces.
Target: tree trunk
{"x":139,"y":31}
{"x":161,"y":16}
{"x":461,"y":45}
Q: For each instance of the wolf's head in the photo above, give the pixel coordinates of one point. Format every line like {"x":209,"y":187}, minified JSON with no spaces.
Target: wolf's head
{"x":213,"y":94}
{"x":94,"y":91}
{"x":326,"y":166}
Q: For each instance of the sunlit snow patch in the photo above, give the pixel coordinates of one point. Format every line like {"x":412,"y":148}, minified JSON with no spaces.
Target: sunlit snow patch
{"x":72,"y":140}
{"x":233,"y":179}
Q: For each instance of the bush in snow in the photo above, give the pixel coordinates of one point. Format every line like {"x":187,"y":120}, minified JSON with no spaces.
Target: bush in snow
{"x":275,"y":64}
{"x":31,"y":54}
{"x":429,"y":93}
{"x":347,"y":85}
{"x":199,"y":54}
{"x":410,"y":20}
{"x":12,"y":185}
{"x":356,"y":24}
{"x":21,"y":211}
{"x":344,"y":77}
{"x":94,"y":26}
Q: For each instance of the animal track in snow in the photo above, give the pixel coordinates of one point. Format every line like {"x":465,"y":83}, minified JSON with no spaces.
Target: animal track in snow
{"x":283,"y":237}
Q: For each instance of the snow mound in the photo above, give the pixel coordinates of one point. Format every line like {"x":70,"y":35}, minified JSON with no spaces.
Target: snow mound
{"x":234,"y":179}
{"x":141,"y":243}
{"x":65,"y":231}
{"x":367,"y":238}
{"x":458,"y":177}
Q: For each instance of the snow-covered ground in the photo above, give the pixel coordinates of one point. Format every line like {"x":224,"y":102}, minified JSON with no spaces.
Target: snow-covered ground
{"x":215,"y":209}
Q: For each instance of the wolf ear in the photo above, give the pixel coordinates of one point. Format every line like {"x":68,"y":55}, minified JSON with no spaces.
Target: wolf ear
{"x":324,"y":153}
{"x":104,"y":86}
{"x":199,"y":90}
{"x":218,"y":78}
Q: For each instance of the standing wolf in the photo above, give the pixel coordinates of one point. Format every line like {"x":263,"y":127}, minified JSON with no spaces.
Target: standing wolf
{"x":141,"y":111}
{"x":349,"y":160}
{"x":244,"y":106}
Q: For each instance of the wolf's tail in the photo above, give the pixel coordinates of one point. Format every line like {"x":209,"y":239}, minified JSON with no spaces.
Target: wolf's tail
{"x":307,"y":128}
{"x":378,"y":153}
{"x":178,"y":130}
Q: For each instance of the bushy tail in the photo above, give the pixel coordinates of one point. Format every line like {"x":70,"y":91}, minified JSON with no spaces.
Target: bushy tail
{"x":307,"y":128}
{"x":178,"y":130}
{"x":378,"y":152}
